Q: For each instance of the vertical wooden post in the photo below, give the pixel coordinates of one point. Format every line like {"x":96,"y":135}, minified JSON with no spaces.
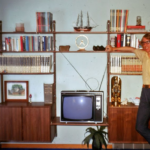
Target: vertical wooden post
{"x":2,"y":89}
{"x":0,"y":35}
{"x":1,"y":50}
{"x":108,"y":65}
{"x":54,"y":56}
{"x":108,"y":32}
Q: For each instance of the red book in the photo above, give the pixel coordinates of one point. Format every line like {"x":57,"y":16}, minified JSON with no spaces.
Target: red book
{"x":39,"y":21}
{"x":118,"y":40}
{"x":135,"y":27}
{"x":21,"y":43}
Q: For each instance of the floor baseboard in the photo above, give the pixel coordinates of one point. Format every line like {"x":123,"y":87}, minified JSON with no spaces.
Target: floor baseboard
{"x":61,"y":146}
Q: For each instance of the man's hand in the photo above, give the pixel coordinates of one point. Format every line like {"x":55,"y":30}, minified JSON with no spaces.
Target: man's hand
{"x":109,"y":48}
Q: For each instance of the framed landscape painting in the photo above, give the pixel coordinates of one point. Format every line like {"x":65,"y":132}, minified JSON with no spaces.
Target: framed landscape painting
{"x":16,"y":91}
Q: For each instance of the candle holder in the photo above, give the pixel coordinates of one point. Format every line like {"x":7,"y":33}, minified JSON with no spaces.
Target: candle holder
{"x":30,"y":98}
{"x":138,"y":21}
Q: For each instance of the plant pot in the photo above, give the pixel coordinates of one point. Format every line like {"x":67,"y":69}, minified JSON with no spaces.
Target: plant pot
{"x":94,"y":146}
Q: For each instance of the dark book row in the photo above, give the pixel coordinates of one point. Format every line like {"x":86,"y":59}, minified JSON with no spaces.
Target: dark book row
{"x":24,"y":64}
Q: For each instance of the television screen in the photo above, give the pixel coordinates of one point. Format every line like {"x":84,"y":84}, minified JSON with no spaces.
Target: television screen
{"x":77,"y":107}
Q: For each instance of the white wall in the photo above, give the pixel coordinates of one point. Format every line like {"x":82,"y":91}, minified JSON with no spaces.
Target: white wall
{"x":89,"y":65}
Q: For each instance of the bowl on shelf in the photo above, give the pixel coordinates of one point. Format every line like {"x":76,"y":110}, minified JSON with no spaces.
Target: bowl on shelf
{"x":98,"y":48}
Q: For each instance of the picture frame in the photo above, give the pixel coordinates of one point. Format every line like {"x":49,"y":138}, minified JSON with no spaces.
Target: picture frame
{"x":16,"y":91}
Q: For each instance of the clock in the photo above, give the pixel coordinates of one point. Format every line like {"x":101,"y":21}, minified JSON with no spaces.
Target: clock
{"x":82,"y":42}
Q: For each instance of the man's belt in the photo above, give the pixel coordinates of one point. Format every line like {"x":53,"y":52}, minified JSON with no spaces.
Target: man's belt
{"x":146,"y":86}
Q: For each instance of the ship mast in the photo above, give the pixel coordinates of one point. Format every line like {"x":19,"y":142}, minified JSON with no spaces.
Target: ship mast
{"x":88,"y":20}
{"x":81,"y":20}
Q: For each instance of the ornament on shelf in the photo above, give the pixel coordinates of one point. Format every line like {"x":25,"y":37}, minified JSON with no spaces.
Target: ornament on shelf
{"x":82,"y":41}
{"x":30,"y":98}
{"x":84,"y":24}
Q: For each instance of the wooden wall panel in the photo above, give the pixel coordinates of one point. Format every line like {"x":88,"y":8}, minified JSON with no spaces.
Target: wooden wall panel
{"x":10,"y":124}
{"x":36,"y":124}
{"x":122,"y":126}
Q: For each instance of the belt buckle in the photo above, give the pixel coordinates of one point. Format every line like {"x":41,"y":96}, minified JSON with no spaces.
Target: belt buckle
{"x":146,"y":86}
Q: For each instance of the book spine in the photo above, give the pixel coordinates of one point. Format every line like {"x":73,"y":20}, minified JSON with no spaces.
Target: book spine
{"x":114,"y":20}
{"x":35,"y":43}
{"x":118,"y":40}
{"x":117,"y":20}
{"x":40,"y":21}
{"x":7,"y":44}
{"x":126,"y":20}
{"x":48,"y":93}
{"x":37,"y":22}
{"x":21,"y":43}
{"x":111,"y":20}
{"x":122,"y":38}
{"x":128,"y":40}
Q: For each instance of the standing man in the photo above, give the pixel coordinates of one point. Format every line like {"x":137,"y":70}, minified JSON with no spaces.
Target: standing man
{"x":143,"y":114}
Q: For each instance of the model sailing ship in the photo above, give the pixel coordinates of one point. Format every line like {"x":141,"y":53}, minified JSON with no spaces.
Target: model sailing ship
{"x":79,"y":23}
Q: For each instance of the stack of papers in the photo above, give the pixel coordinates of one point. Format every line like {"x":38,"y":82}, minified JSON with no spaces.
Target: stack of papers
{"x":135,"y":100}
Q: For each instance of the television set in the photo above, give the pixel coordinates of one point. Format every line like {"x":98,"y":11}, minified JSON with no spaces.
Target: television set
{"x":82,"y":106}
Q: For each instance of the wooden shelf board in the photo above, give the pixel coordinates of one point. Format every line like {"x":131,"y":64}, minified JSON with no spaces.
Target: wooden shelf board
{"x":15,"y":104}
{"x":120,"y":51}
{"x":26,"y":32}
{"x":128,"y":32}
{"x":125,"y":73}
{"x":81,"y":51}
{"x":50,"y":146}
{"x":72,"y":32}
{"x":56,"y":121}
{"x":27,"y":73}
{"x":130,"y":105}
{"x":26,"y":51}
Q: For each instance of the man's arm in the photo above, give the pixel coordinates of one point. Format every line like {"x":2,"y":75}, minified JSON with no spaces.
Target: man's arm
{"x":110,"y":49}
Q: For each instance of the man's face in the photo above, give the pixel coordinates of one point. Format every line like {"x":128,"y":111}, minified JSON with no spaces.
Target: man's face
{"x":146,"y":44}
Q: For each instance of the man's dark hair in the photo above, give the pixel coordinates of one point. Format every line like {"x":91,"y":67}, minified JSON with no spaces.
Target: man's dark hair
{"x":147,"y":36}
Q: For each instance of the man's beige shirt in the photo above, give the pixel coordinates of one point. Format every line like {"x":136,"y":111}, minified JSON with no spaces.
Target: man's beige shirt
{"x":143,"y":56}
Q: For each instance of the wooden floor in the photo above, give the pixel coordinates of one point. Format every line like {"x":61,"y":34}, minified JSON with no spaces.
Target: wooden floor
{"x":72,"y":146}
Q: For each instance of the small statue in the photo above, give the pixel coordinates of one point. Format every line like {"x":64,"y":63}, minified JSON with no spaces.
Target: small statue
{"x":116,"y":91}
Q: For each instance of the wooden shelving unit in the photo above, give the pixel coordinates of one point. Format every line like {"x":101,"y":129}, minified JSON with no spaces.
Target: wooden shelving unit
{"x":56,"y":121}
{"x":27,"y":119}
{"x":120,"y":121}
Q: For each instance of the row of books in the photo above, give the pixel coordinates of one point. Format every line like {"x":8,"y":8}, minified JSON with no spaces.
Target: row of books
{"x":122,"y":40}
{"x":44,"y":21}
{"x":125,"y":64}
{"x":29,"y":43}
{"x":118,"y":20}
{"x":26,"y":64}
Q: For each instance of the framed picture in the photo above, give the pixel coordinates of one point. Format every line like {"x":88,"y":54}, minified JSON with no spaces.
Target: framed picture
{"x":16,"y":91}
